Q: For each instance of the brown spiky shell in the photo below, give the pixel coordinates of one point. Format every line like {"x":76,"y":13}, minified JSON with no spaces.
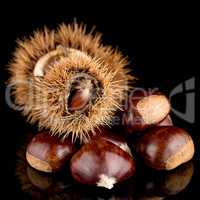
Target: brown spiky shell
{"x":43,"y":99}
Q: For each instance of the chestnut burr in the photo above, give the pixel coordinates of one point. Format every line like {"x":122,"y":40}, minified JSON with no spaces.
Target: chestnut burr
{"x":102,"y":163}
{"x":165,"y":148}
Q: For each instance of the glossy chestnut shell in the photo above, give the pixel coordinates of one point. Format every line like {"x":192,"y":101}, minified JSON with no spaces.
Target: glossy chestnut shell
{"x":113,"y":137}
{"x":165,"y":148}
{"x":102,"y":163}
{"x":48,"y":153}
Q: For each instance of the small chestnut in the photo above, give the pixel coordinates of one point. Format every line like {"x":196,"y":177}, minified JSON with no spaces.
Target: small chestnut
{"x":48,"y":153}
{"x":144,"y":109}
{"x":166,"y":147}
{"x":80,"y":96}
{"x":102,"y":163}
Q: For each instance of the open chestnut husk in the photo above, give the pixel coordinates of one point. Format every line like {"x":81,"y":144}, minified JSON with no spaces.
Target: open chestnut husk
{"x":48,"y":153}
{"x":165,"y":148}
{"x":144,"y":109}
{"x":102,"y":163}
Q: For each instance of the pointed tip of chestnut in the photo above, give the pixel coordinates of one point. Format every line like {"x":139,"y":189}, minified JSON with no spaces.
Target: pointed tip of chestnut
{"x":101,"y":163}
{"x":48,"y":153}
{"x":165,"y":148}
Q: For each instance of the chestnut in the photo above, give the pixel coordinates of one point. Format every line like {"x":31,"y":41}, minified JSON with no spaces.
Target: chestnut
{"x":165,"y":148}
{"x":144,"y":109}
{"x":48,"y":153}
{"x":101,"y":163}
{"x":80,"y":96}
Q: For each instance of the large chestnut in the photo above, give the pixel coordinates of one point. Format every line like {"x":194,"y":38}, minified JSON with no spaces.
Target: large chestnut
{"x":144,"y":109}
{"x":102,"y":163}
{"x":48,"y":153}
{"x":165,"y":148}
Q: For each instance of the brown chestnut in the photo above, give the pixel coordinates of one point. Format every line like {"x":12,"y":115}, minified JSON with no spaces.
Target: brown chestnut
{"x":101,"y":163}
{"x":144,"y":109}
{"x":80,"y":96}
{"x":165,"y":148}
{"x":48,"y":153}
{"x":166,"y":122}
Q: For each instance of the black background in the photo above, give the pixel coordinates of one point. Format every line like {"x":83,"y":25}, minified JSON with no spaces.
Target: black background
{"x":160,"y":40}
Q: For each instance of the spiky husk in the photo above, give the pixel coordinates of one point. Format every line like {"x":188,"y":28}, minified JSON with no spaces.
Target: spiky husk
{"x":43,"y":100}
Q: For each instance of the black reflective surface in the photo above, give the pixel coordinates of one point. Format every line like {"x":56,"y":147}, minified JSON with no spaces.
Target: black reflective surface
{"x":147,"y":184}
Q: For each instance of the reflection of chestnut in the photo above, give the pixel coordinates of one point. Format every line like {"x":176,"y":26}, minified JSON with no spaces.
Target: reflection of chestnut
{"x":151,"y":198}
{"x":177,"y":180}
{"x":48,"y":153}
{"x":144,"y":110}
{"x":39,"y":179}
{"x":166,"y":147}
{"x":101,"y":163}
{"x":166,"y":183}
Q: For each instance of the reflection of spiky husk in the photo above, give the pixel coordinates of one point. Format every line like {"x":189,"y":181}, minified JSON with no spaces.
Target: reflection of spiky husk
{"x":44,"y":99}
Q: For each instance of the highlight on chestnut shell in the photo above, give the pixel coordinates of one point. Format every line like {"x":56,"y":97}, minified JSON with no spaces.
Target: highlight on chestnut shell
{"x":67,"y":81}
{"x":48,"y":153}
{"x":113,"y":137}
{"x":144,"y":109}
{"x":102,"y":163}
{"x":165,"y":148}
